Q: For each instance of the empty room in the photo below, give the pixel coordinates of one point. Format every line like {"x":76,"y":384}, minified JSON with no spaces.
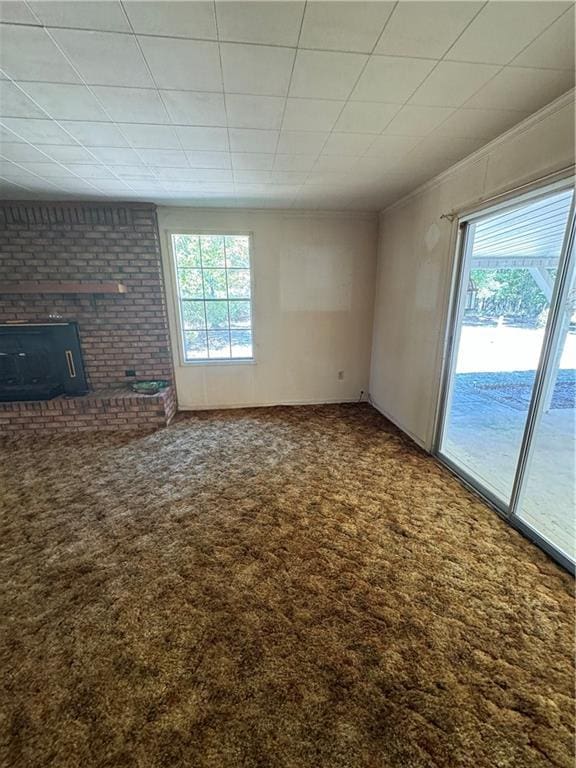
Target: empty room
{"x":287,"y":384}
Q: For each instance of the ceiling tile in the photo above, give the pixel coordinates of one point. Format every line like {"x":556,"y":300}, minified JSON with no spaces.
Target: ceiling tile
{"x":425,"y":29}
{"x":256,"y":69}
{"x":174,"y":158}
{"x":480,"y":123}
{"x":276,"y":23}
{"x":177,"y":19}
{"x":301,"y":142}
{"x":142,"y":136}
{"x":37,"y":131}
{"x":252,"y":177}
{"x":111,"y":185}
{"x":328,"y":179}
{"x":65,"y":102}
{"x":134,"y":171}
{"x":452,"y":83}
{"x":502,"y":29}
{"x":208,"y":159}
{"x":334,"y":163}
{"x":554,"y":49}
{"x":442,"y":151}
{"x":19,"y":151}
{"x":94,"y":134}
{"x":294,"y":162}
{"x":391,"y":79}
{"x":522,"y":89}
{"x":311,"y":114}
{"x":392,"y":146}
{"x":250,"y":140}
{"x":195,"y":108}
{"x":15,"y":103}
{"x":344,"y":26}
{"x":132,"y":105}
{"x":92,"y":171}
{"x":417,"y":121}
{"x":88,"y":14}
{"x":254,"y":111}
{"x":27,"y":53}
{"x":47,"y":170}
{"x":70,"y":154}
{"x":252,"y":161}
{"x":188,"y":65}
{"x":213,"y":139}
{"x":16,"y":11}
{"x":353,"y":144}
{"x":194,"y":174}
{"x":323,"y":74}
{"x":113,"y":155}
{"x":104,"y":58}
{"x":366,"y":116}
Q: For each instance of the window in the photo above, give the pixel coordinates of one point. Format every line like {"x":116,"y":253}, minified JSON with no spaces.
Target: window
{"x":214,"y":292}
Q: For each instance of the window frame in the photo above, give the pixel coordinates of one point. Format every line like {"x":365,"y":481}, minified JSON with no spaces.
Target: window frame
{"x":224,"y":232}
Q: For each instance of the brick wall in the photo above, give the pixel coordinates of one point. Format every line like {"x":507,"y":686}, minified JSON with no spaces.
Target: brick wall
{"x":91,"y":241}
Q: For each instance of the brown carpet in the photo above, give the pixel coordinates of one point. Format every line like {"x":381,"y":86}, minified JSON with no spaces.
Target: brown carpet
{"x":274,"y":588}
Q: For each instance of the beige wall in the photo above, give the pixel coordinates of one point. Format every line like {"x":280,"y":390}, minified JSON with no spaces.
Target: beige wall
{"x":415,"y":262}
{"x":314,"y":278}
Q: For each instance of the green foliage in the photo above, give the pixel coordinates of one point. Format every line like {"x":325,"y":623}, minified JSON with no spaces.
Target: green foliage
{"x":239,"y":283}
{"x":212,"y":251}
{"x":238,"y":251}
{"x":187,"y":250}
{"x":507,"y":291}
{"x":190,"y":283}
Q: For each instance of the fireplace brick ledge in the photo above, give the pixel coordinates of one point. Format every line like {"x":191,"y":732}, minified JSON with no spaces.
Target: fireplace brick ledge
{"x":108,"y":409}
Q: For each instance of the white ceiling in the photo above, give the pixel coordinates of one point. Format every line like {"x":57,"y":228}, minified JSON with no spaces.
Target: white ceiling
{"x":335,"y":105}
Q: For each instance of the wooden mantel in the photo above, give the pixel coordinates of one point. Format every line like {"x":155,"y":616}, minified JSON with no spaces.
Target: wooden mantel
{"x":61,"y":286}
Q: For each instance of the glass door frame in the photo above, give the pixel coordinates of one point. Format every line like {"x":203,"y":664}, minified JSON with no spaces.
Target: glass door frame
{"x":566,"y":268}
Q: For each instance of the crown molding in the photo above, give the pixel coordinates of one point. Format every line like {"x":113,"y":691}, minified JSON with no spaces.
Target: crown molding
{"x":296,"y":213}
{"x":525,"y":125}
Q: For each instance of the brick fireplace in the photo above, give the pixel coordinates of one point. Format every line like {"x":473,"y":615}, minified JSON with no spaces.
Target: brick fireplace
{"x":97,"y":265}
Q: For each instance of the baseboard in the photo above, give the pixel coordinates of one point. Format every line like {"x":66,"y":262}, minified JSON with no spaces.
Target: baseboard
{"x":398,"y":424}
{"x":270,"y":404}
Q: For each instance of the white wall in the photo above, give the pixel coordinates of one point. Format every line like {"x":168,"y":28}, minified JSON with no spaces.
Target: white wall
{"x":314,"y":278}
{"x":415,"y":262}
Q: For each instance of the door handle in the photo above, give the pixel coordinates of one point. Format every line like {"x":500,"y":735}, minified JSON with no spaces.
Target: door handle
{"x":70,"y":363}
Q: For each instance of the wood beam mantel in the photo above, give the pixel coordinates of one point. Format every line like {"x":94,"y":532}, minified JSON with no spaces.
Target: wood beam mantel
{"x":61,"y":286}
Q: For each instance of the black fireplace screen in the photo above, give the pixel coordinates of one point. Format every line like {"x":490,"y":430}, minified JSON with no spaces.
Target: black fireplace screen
{"x":40,"y":361}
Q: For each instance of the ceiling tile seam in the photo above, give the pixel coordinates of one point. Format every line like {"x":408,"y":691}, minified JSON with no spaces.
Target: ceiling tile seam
{"x":246,"y":93}
{"x":287,"y":47}
{"x":16,"y":184}
{"x":223,"y":96}
{"x":290,"y":81}
{"x":74,"y":140}
{"x":538,"y":36}
{"x":157,"y":91}
{"x":392,"y":12}
{"x":254,"y":128}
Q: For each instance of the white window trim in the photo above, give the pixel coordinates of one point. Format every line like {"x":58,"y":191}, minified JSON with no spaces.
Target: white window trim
{"x":178,"y":305}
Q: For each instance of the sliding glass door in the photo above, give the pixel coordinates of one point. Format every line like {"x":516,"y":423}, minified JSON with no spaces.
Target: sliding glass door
{"x":507,"y":417}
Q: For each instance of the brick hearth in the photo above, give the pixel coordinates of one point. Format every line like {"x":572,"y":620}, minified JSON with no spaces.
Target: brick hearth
{"x":111,"y":409}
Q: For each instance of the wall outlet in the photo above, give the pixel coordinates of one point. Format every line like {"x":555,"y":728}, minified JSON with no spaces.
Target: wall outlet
{"x":340,"y":375}
{"x":130,"y":372}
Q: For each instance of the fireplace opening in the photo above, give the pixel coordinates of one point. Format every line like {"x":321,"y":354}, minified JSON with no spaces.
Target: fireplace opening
{"x":39,"y":361}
